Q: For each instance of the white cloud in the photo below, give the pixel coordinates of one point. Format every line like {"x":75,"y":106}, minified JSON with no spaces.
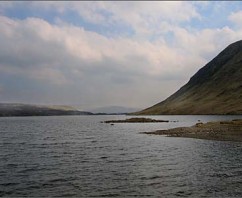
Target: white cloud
{"x":36,"y":43}
{"x":87,"y":67}
{"x":145,"y":18}
{"x":36,"y":50}
{"x":236,"y":18}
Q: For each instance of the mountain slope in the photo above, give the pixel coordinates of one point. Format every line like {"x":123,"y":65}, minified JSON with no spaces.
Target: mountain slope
{"x":13,"y":109}
{"x":214,"y":89}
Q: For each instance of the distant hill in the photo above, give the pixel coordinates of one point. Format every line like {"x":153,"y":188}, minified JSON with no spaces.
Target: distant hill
{"x":14,"y":109}
{"x":214,"y":89}
{"x":114,"y":110}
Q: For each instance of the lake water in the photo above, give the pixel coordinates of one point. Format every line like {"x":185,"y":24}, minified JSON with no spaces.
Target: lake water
{"x":79,"y":156}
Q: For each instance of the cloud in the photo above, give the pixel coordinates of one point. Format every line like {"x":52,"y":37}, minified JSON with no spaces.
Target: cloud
{"x":67,"y":56}
{"x":66,"y":63}
{"x":142,"y":18}
{"x":34,"y":43}
{"x":205,"y":43}
{"x":236,"y":18}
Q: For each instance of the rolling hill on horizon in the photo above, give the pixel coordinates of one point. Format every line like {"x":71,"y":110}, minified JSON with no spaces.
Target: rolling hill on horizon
{"x":215,"y":89}
{"x":114,"y":110}
{"x":17,"y":109}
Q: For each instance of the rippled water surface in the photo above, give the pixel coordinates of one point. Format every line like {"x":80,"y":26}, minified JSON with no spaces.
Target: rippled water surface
{"x":80,"y":156}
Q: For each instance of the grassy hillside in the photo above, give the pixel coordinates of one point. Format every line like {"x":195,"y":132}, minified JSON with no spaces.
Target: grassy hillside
{"x":13,"y":109}
{"x":214,"y":89}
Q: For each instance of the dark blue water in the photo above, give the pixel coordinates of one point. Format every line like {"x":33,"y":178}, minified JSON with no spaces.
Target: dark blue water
{"x":79,"y":156}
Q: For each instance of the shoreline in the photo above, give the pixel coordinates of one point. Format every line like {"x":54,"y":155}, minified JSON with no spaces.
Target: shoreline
{"x":219,"y":130}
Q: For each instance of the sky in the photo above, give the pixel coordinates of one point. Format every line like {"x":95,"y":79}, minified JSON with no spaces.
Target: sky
{"x":123,"y":53}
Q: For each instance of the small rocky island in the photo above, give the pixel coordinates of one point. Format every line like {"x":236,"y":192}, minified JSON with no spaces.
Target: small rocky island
{"x":221,"y":130}
{"x":135,"y":120}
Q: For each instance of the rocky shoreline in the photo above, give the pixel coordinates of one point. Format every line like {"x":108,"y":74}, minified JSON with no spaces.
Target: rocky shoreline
{"x":221,"y":130}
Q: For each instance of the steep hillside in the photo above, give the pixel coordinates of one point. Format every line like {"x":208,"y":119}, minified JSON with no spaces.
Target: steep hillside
{"x":214,"y":89}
